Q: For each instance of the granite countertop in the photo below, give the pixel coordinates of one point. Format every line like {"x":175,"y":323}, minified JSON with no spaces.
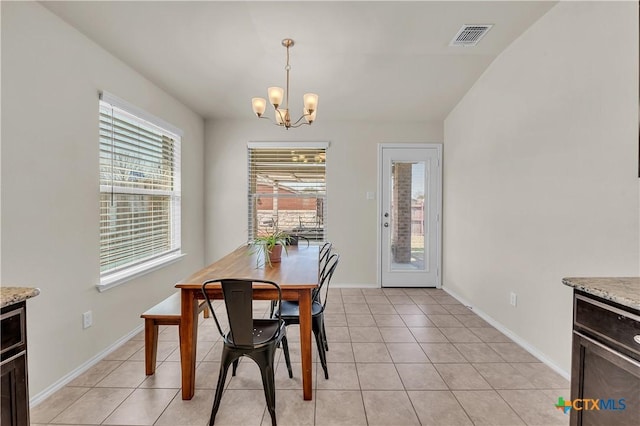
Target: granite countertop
{"x":623,"y":290}
{"x":12,"y":295}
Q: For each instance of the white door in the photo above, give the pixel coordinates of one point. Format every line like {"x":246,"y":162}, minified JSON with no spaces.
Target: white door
{"x":410,"y":209}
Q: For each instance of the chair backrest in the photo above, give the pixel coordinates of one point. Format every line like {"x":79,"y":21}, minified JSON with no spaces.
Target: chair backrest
{"x":238,"y":300}
{"x":325,"y":251}
{"x":320,"y":294}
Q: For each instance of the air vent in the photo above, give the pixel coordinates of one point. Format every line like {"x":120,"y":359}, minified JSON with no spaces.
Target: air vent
{"x":470,"y":35}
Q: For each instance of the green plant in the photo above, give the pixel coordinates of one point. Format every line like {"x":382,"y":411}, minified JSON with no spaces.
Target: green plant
{"x":264,"y":244}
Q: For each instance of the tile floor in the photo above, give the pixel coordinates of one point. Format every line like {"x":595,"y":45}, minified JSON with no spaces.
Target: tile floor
{"x":397,"y":357}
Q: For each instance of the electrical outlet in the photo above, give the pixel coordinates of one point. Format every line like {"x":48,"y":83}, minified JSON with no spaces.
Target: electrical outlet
{"x":513,"y":299}
{"x":87,"y":319}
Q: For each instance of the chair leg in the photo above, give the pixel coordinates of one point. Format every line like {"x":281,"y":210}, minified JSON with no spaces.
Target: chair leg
{"x":227,"y":358}
{"x":235,"y":367}
{"x":317,"y":331}
{"x":264,"y":359}
{"x":324,"y":337}
{"x":285,"y":349}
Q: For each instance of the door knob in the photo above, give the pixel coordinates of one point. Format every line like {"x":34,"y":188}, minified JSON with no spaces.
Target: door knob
{"x":386,"y":224}
{"x":386,"y":215}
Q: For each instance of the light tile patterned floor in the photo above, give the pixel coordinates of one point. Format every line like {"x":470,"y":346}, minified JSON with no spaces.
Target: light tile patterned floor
{"x":396,"y":357}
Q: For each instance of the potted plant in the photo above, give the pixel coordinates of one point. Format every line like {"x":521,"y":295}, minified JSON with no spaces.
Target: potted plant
{"x":270,"y":246}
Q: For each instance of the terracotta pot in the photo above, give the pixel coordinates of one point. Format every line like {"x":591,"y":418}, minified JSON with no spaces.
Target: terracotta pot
{"x":275,"y":254}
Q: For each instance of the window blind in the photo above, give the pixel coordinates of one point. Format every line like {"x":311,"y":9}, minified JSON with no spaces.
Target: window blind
{"x":287,"y":190}
{"x":139,"y":190}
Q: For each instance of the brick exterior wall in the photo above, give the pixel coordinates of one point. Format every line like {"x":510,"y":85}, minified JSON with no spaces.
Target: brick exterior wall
{"x":401,"y":233}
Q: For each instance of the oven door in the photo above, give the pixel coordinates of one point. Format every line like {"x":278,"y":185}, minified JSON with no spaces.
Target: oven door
{"x":605,"y":375}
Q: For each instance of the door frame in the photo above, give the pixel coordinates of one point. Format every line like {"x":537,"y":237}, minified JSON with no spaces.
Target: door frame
{"x":380,"y":207}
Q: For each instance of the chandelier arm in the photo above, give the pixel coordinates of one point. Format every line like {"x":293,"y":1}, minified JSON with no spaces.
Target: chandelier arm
{"x":301,"y":124}
{"x":264,"y":117}
{"x":282,"y":119}
{"x":299,"y":119}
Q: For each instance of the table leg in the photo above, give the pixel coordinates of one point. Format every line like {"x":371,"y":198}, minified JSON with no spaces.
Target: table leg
{"x":304,"y":304}
{"x":150,"y":346}
{"x":188,"y":338}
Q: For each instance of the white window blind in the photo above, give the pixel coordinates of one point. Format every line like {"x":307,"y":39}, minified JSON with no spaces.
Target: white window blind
{"x":287,"y":190}
{"x":139,"y":191}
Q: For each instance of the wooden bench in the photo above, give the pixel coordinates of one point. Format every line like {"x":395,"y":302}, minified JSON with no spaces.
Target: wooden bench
{"x":166,"y":312}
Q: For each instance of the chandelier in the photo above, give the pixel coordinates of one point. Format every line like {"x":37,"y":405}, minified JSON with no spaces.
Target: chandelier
{"x":276,"y":95}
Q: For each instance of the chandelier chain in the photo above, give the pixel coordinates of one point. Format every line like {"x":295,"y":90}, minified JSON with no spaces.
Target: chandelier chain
{"x":287,"y":68}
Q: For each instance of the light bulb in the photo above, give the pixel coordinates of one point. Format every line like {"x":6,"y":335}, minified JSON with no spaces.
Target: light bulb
{"x":275,"y":96}
{"x":310,"y":102}
{"x":259,"y":105}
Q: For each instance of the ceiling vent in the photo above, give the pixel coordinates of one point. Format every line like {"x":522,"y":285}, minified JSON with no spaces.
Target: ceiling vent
{"x":470,"y":35}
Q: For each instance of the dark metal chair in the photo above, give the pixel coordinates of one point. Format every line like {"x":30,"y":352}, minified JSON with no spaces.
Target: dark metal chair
{"x":290,"y":311}
{"x":323,"y":256}
{"x":253,"y":338}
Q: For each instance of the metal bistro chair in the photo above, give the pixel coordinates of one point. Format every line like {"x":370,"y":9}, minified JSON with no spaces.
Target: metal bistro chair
{"x":323,"y":256}
{"x":290,"y":311}
{"x":325,"y":252}
{"x":254,"y":338}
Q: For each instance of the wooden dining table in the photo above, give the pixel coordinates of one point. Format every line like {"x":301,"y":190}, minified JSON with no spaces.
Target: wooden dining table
{"x":297,"y":276}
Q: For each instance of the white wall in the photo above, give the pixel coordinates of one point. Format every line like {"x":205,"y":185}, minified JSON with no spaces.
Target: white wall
{"x":51,"y":75}
{"x":541,"y":171}
{"x":351,"y":172}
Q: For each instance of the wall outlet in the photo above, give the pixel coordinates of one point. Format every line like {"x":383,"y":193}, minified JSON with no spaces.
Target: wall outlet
{"x":513,"y":300}
{"x":87,"y":319}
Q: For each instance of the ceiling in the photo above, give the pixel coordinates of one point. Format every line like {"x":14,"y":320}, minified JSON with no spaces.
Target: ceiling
{"x":366,"y":60}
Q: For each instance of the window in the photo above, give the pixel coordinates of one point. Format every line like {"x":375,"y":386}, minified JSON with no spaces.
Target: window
{"x":139,"y":191}
{"x":287,"y":189}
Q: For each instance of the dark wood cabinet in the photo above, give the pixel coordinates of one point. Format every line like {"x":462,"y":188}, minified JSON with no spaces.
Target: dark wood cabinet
{"x":14,"y":408}
{"x":605,"y":370}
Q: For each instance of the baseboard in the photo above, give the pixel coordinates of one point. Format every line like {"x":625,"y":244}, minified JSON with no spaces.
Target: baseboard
{"x":41,"y":396}
{"x":352,"y":285}
{"x":510,"y":334}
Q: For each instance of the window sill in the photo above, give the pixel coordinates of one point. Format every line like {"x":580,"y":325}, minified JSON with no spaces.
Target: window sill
{"x":109,"y":281}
